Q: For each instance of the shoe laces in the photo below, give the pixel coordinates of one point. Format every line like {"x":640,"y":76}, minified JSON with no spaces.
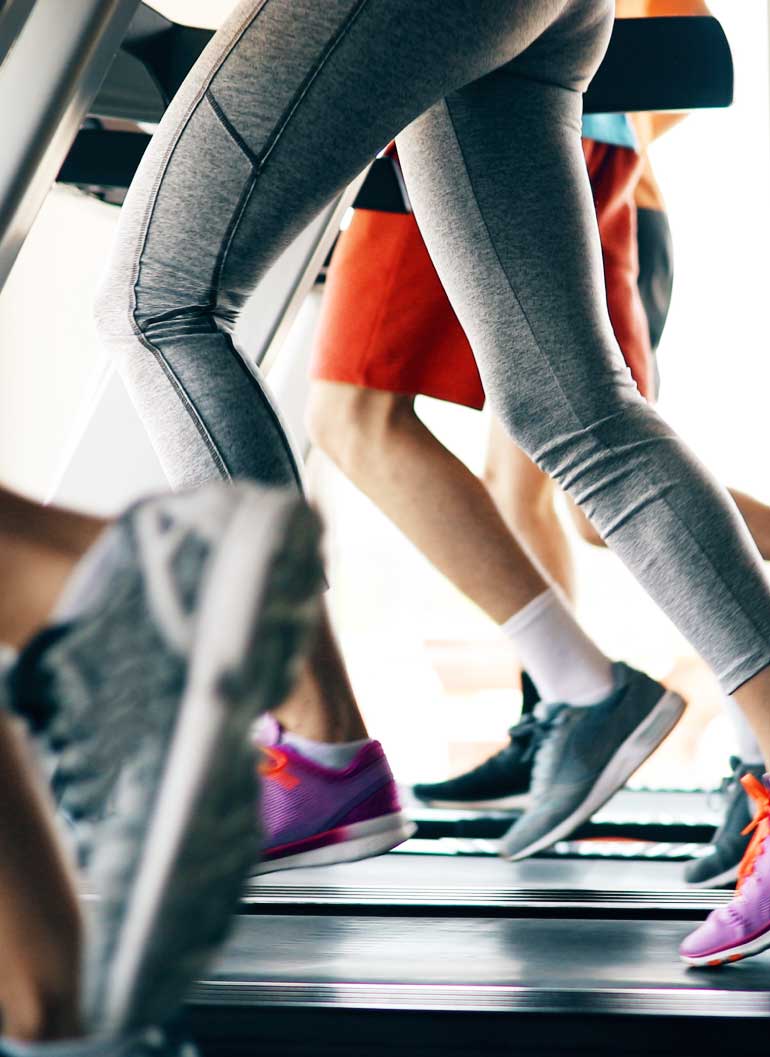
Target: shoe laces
{"x":759,"y":827}
{"x":532,"y":730}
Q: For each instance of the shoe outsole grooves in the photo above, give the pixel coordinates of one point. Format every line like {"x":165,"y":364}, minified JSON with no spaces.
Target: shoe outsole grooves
{"x":732,"y":954}
{"x":255,"y":615}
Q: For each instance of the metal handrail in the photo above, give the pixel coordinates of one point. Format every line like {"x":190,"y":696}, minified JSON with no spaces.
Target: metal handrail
{"x":47,"y":84}
{"x":13,"y":17}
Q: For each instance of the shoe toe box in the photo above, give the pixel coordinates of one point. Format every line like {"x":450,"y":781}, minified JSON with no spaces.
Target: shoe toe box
{"x":531,"y":828}
{"x":718,"y":933}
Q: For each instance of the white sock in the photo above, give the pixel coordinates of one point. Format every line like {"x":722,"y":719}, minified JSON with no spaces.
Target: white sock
{"x":335,"y":757}
{"x":8,"y":657}
{"x":748,"y":746}
{"x":565,"y":665}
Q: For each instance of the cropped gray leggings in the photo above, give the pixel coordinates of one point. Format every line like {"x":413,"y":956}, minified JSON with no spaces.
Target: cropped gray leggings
{"x":289,"y":102}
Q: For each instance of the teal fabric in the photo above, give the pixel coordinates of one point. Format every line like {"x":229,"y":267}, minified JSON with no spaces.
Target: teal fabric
{"x":610,"y":128}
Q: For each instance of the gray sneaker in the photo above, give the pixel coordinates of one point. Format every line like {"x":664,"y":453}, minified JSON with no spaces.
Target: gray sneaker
{"x":586,"y":754}
{"x":719,"y":868}
{"x":147,"y":695}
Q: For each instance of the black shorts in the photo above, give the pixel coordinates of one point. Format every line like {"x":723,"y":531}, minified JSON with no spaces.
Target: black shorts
{"x":656,"y":269}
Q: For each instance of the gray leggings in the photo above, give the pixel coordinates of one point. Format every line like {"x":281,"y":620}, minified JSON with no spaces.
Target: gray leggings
{"x":289,"y":102}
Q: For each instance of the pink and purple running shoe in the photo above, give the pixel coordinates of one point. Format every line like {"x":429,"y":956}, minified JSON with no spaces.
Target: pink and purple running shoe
{"x":314,"y":815}
{"x":742,"y":928}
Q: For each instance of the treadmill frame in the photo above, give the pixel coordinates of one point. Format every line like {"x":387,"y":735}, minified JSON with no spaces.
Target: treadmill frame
{"x":70,"y":45}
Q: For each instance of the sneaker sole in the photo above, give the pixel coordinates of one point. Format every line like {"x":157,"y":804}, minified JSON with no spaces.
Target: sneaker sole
{"x":730,"y":954}
{"x":361,"y":840}
{"x":720,"y":880}
{"x":640,"y":744}
{"x":210,"y":753}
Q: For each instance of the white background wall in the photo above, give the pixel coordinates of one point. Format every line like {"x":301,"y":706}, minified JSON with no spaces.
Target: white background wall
{"x":208,"y":13}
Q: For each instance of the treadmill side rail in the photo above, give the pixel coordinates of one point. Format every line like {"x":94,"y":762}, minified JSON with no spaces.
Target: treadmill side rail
{"x":13,"y":17}
{"x":47,"y":84}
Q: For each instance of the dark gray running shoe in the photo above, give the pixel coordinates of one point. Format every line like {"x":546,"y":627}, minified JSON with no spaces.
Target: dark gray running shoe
{"x":502,"y":781}
{"x":719,"y":869}
{"x":147,"y":695}
{"x":587,"y":754}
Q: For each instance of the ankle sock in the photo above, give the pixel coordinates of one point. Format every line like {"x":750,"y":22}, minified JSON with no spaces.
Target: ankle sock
{"x":8,"y":657}
{"x":563,"y":662}
{"x":748,"y":746}
{"x":333,"y":756}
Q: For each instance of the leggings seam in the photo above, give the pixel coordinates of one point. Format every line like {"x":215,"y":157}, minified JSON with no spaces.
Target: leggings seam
{"x":511,"y":287}
{"x":257,"y":165}
{"x":232,"y":227}
{"x":163,"y":167}
{"x":576,"y":418}
{"x":311,"y":77}
{"x":192,"y":411}
{"x":230,"y":128}
{"x":258,"y":161}
{"x":195,"y":417}
{"x":267,"y":403}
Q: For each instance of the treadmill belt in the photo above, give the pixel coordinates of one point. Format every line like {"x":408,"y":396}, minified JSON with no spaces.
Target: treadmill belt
{"x":465,"y":963}
{"x":489,"y":886}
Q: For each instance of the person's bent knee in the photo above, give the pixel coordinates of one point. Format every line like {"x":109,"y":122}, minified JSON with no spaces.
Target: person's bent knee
{"x":350,"y":423}
{"x":525,"y":497}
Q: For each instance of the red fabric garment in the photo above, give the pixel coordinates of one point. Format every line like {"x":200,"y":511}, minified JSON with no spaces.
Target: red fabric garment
{"x":386,"y":322}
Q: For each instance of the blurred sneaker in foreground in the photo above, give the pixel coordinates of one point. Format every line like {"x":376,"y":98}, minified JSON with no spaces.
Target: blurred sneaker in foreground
{"x":719,"y":869}
{"x":742,"y":928}
{"x":184,"y":623}
{"x":314,"y":815}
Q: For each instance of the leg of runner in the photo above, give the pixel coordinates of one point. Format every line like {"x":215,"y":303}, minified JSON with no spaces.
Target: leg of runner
{"x":385,"y":449}
{"x":40,"y":926}
{"x":526,"y":498}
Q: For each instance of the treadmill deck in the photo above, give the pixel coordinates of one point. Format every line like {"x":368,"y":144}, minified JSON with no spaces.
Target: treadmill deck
{"x":468,"y":964}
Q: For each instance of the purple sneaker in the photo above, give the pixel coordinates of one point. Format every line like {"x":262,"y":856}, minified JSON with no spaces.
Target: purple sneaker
{"x":314,"y":816}
{"x":742,"y":928}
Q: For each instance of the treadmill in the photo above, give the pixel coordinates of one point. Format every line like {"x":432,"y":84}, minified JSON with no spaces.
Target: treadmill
{"x":439,"y":948}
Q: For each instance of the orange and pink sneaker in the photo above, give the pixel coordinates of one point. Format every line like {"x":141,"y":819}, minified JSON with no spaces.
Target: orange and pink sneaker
{"x":742,"y":928}
{"x":314,"y":815}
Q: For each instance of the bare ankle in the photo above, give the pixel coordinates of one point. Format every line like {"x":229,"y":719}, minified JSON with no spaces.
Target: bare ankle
{"x":42,"y":1017}
{"x":322,"y":705}
{"x":33,"y":577}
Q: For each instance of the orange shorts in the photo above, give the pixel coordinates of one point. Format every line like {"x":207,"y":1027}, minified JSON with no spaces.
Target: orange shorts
{"x":386,"y":322}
